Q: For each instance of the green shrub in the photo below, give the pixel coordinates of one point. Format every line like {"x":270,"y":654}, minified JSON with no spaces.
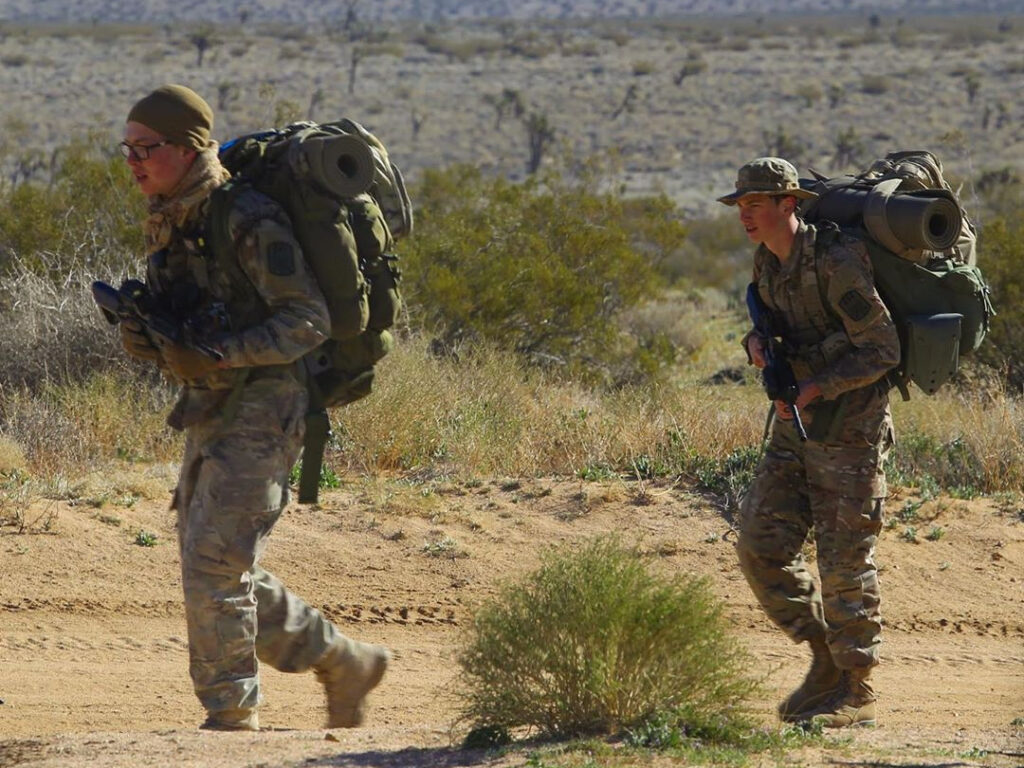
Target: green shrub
{"x":543,"y":267}
{"x":1001,"y":256}
{"x":716,"y":253}
{"x":88,"y":215}
{"x":593,"y":642}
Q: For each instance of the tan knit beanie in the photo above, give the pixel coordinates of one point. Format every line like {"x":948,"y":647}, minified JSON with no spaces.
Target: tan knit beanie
{"x":176,"y":112}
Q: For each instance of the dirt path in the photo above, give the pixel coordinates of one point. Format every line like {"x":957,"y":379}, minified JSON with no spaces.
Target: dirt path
{"x":93,"y":660}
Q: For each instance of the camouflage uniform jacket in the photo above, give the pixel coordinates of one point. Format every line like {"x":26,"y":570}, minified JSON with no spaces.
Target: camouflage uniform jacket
{"x":836,"y":329}
{"x":263,"y":308}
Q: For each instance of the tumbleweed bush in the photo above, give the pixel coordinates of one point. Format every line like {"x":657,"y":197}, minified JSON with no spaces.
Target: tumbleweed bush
{"x":595,"y":642}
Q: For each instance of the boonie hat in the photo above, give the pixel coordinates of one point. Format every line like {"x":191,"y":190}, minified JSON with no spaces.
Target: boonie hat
{"x":767,"y":176}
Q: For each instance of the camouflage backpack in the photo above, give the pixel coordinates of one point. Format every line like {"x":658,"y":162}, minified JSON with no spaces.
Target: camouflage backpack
{"x":923,"y":251}
{"x":347,"y":205}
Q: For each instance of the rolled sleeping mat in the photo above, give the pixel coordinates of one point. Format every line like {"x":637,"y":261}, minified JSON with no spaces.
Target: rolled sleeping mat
{"x":342,"y":165}
{"x":927,"y":220}
{"x":918,"y":221}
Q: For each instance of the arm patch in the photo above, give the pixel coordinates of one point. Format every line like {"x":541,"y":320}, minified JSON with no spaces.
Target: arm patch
{"x":855,"y":306}
{"x":281,"y":259}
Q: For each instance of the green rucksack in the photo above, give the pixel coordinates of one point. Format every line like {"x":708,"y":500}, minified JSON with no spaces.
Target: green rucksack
{"x":923,"y":252}
{"x":347,"y":204}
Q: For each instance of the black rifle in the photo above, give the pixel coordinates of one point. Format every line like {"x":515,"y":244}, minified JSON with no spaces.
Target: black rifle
{"x":133,"y":301}
{"x":777,"y":374}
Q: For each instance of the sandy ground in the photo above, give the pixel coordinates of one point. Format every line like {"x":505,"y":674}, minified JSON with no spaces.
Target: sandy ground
{"x":93,"y":657}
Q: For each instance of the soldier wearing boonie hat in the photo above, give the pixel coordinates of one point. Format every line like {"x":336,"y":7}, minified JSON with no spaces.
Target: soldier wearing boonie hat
{"x":767,"y":176}
{"x":818,"y":286}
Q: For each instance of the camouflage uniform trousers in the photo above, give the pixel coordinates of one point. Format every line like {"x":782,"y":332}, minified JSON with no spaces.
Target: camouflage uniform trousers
{"x":232,"y":489}
{"x":837,"y":490}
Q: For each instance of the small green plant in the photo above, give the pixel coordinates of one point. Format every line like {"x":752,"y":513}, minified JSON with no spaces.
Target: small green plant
{"x":110,"y":520}
{"x":145,"y":538}
{"x":328,"y":477}
{"x":908,"y":512}
{"x":445,"y":548}
{"x":661,"y":731}
{"x":593,"y":642}
{"x":935,"y":533}
{"x":595,"y":473}
{"x":909,"y":534}
{"x":728,"y":477}
{"x":644,"y":467}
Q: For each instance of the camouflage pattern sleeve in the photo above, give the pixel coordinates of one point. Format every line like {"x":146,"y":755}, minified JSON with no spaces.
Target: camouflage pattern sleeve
{"x":272,"y":258}
{"x":852,"y":296}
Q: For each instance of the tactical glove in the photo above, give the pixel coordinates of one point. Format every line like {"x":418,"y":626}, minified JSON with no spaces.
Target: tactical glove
{"x":188,"y":364}
{"x":136,"y":343}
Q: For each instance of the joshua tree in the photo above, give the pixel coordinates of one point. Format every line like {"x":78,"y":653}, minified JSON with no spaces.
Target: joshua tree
{"x":356,"y":56}
{"x":694,"y":66}
{"x":539,"y":133}
{"x":202,"y":39}
{"x":508,"y":102}
{"x":835,"y":95}
{"x":781,"y":144}
{"x":848,"y":148}
{"x":418,"y":119}
{"x":972,"y":82}
{"x":350,"y":15}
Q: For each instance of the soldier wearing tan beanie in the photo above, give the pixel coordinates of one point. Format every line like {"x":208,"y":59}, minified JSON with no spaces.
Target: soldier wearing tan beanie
{"x":242,"y":410}
{"x":177,"y":112}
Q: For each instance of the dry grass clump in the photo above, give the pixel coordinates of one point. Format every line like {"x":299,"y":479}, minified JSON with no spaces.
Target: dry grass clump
{"x":70,"y":427}
{"x":487,"y":413}
{"x":53,"y":331}
{"x":967,"y":445}
{"x":12,"y":457}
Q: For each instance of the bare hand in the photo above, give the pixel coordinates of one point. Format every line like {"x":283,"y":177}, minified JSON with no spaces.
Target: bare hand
{"x":809,"y":391}
{"x":755,"y":348}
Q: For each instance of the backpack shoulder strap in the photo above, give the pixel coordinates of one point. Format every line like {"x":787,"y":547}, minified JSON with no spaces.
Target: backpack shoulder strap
{"x":218,"y":217}
{"x":827,"y":234}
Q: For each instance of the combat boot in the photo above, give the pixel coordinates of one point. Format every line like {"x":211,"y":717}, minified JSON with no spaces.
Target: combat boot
{"x":822,"y":679}
{"x":852,"y":704}
{"x":231,"y":720}
{"x":348,"y":671}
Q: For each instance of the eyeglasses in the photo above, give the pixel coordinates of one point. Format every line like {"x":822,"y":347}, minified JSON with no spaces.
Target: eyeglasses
{"x":140,"y":151}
